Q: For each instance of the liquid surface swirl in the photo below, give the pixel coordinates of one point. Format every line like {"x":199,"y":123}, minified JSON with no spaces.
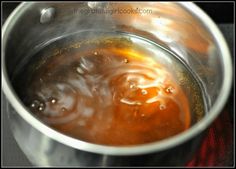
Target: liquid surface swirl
{"x":109,"y":91}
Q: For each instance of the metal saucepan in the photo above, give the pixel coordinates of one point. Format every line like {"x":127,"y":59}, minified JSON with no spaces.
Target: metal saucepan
{"x":182,"y":27}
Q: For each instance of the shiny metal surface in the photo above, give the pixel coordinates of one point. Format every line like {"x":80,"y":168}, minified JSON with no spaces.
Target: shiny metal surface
{"x":181,"y":27}
{"x":47,"y":15}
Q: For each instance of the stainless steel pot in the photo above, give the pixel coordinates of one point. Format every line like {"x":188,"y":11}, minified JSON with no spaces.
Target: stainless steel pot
{"x":181,"y":27}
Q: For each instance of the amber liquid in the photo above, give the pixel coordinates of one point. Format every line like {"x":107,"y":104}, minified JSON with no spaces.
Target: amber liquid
{"x":112,"y":90}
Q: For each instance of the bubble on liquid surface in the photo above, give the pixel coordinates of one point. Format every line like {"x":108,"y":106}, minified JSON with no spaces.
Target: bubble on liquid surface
{"x":63,"y":109}
{"x":126,"y":61}
{"x":162,"y":107}
{"x":41,"y":107}
{"x":34,"y":104}
{"x":53,"y":100}
{"x":170,"y":90}
{"x":144,"y":92}
{"x":133,"y":86}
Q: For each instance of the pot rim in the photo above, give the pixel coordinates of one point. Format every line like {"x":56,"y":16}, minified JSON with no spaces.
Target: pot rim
{"x":124,"y":150}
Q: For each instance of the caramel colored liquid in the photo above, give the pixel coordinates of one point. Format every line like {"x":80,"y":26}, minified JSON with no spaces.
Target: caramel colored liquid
{"x":111,"y":91}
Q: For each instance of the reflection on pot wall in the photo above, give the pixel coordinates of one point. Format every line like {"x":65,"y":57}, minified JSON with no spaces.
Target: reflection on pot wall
{"x":174,"y":26}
